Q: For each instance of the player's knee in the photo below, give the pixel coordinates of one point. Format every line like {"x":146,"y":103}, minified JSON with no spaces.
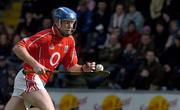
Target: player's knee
{"x":15,"y":104}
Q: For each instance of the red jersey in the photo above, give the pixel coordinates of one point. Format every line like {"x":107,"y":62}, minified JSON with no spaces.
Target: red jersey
{"x":49,"y":50}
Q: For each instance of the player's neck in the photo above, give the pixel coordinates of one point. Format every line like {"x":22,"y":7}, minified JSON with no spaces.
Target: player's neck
{"x":56,"y":31}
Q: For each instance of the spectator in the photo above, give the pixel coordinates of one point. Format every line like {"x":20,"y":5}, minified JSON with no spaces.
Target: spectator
{"x":84,"y":26}
{"x":157,"y":12}
{"x":131,"y":36}
{"x":112,"y":42}
{"x":3,"y":80}
{"x":146,"y":29}
{"x":172,"y":9}
{"x":144,"y":7}
{"x":171,"y":61}
{"x":46,"y":23}
{"x":36,"y":7}
{"x":117,"y":18}
{"x":28,"y":24}
{"x":156,"y":8}
{"x":10,"y":33}
{"x":101,"y":17}
{"x":112,"y":51}
{"x":97,"y":37}
{"x":133,"y":15}
{"x":12,"y":58}
{"x":174,"y":27}
{"x":5,"y":46}
{"x":128,"y":66}
{"x":160,"y":37}
{"x":27,"y":5}
{"x":145,"y":44}
{"x":6,"y":85}
{"x":150,"y":74}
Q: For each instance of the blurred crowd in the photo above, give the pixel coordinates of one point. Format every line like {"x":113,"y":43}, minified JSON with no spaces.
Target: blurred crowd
{"x":137,"y":40}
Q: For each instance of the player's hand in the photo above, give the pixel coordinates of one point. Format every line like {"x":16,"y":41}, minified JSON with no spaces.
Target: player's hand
{"x":39,"y":69}
{"x":89,"y":67}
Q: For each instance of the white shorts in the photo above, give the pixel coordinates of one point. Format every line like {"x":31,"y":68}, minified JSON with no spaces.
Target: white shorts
{"x":22,"y":85}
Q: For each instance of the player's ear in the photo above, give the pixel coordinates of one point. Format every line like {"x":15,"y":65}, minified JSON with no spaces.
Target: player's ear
{"x":57,"y":23}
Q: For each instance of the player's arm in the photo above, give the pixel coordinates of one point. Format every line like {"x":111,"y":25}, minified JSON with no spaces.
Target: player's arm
{"x":70,"y":61}
{"x":88,"y":67}
{"x":24,"y":55}
{"x":22,"y":48}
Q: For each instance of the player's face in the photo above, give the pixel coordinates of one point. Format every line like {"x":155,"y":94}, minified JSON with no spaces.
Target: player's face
{"x":67,"y":27}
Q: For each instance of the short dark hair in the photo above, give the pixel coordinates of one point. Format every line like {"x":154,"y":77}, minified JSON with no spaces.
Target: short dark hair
{"x":131,"y":22}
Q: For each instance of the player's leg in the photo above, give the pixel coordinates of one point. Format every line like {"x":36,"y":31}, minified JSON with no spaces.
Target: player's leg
{"x":15,"y":103}
{"x":39,"y":99}
{"x":32,"y":91}
{"x":36,"y":95}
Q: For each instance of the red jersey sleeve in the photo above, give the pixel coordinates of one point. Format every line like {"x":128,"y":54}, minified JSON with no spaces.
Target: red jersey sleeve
{"x":32,"y":41}
{"x":26,"y":42}
{"x":33,"y":45}
{"x":70,"y":58}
